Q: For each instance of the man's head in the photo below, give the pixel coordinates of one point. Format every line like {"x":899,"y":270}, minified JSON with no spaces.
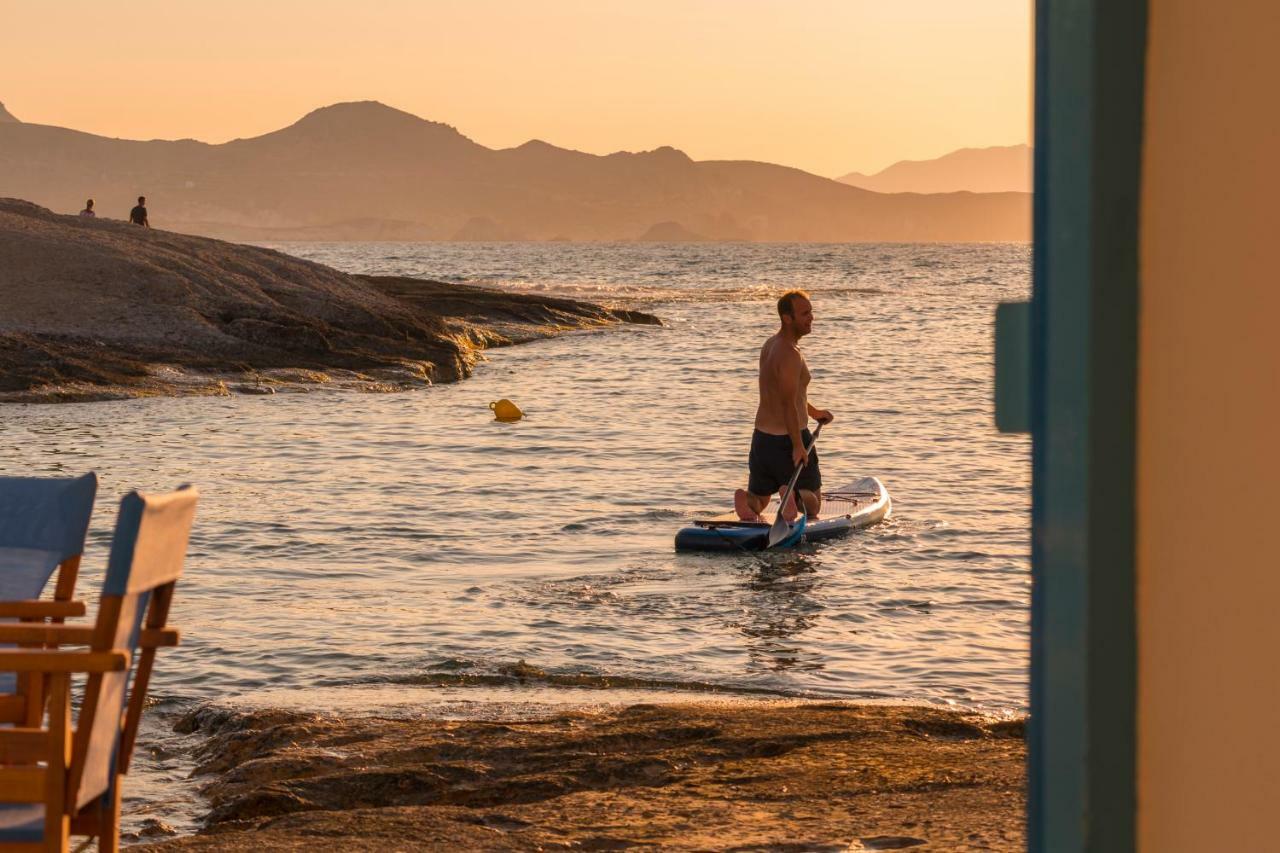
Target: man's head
{"x":142,"y":199}
{"x":796,"y":312}
{"x":88,"y":205}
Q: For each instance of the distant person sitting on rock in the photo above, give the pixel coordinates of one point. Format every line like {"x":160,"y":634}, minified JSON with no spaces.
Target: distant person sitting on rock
{"x":138,"y":216}
{"x":88,"y":209}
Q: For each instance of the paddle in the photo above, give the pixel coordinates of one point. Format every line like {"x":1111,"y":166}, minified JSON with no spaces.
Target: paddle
{"x":780,"y":529}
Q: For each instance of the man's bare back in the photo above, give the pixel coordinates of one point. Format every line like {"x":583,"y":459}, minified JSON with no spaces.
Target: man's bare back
{"x":779,"y":443}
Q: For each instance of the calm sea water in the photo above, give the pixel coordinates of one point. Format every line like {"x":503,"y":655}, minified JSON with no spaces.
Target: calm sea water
{"x":405,"y":548}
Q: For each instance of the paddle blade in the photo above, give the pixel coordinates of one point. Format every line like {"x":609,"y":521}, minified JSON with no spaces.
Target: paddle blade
{"x":791,"y":533}
{"x":779,"y":531}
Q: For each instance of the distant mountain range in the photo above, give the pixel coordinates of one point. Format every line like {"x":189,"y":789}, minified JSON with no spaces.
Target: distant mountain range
{"x":999,"y":169}
{"x":365,"y":171}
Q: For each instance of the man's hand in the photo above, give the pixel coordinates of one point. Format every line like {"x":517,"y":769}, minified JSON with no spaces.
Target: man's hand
{"x":799,"y":455}
{"x":823,"y":416}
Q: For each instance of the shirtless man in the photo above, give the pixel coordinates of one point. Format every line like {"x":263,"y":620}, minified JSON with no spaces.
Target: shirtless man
{"x":782,"y":434}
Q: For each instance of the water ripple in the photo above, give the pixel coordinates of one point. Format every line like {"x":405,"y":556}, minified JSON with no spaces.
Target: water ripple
{"x":355,"y":539}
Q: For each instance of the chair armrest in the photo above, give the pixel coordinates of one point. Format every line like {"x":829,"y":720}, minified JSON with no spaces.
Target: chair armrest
{"x":23,"y":745}
{"x":42,"y":660}
{"x":79,"y":635}
{"x":151,"y":638}
{"x":48,"y":635}
{"x":22,"y":784}
{"x":40,"y":607}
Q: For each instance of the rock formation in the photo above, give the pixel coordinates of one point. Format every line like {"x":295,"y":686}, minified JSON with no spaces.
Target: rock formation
{"x":94,"y":308}
{"x":742,"y":776}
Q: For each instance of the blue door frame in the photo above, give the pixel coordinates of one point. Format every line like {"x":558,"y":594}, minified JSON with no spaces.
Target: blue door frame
{"x":1067,"y":369}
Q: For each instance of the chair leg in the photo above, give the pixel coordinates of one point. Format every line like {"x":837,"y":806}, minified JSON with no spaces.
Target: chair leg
{"x":57,"y":842}
{"x":109,"y":820}
{"x":57,"y":836}
{"x":57,"y":823}
{"x":34,"y":691}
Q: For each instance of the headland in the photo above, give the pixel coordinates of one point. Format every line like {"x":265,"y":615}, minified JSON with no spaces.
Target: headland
{"x":97,"y":309}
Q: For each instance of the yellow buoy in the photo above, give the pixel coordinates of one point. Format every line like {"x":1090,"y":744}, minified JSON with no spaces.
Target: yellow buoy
{"x":505,"y":410}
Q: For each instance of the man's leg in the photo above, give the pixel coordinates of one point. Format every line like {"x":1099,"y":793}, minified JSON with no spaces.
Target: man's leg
{"x":748,"y":506}
{"x":812,"y":502}
{"x":790,"y":508}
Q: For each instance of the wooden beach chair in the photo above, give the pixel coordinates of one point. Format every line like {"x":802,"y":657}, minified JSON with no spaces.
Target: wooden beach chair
{"x":43,"y":523}
{"x":57,"y":780}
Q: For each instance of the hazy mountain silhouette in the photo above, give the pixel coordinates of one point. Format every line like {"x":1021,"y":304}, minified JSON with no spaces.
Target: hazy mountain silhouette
{"x":365,"y":171}
{"x":1003,"y":168}
{"x":670,"y":232}
{"x":6,"y":116}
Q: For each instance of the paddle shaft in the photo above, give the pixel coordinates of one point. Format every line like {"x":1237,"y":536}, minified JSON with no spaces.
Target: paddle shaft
{"x":780,"y":527}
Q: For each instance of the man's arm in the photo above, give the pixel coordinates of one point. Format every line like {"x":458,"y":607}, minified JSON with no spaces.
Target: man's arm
{"x":822,"y":416}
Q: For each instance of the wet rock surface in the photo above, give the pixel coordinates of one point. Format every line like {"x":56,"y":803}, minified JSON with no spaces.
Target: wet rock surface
{"x":98,"y":309}
{"x":742,"y":776}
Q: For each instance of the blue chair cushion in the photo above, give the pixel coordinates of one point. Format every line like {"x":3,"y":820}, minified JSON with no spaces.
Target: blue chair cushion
{"x":46,"y":512}
{"x":23,"y":574}
{"x":21,"y":822}
{"x":25,"y":571}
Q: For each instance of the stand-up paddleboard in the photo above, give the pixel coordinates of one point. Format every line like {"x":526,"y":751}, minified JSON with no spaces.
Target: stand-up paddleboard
{"x":858,"y":504}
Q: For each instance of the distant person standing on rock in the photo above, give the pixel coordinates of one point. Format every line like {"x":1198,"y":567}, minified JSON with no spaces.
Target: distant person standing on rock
{"x":138,"y":216}
{"x":88,"y":209}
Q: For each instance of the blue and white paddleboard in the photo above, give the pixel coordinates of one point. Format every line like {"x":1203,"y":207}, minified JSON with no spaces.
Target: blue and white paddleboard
{"x":858,"y":504}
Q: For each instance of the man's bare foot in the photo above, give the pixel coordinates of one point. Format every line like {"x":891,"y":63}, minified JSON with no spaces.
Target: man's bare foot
{"x":743,"y":508}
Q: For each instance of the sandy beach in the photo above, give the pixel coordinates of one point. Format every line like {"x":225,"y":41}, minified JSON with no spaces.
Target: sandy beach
{"x":781,"y":775}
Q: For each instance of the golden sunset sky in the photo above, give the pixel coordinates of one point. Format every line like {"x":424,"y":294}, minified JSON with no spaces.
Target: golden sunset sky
{"x":830,"y":86}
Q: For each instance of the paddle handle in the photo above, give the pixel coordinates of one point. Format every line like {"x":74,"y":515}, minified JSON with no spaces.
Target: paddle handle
{"x":796,"y":475}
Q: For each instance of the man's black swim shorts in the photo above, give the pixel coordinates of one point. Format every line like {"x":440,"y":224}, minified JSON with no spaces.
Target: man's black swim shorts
{"x":770,"y":464}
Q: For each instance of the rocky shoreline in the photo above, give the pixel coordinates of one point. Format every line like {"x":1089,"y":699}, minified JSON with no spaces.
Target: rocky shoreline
{"x":99,"y":310}
{"x":780,"y":775}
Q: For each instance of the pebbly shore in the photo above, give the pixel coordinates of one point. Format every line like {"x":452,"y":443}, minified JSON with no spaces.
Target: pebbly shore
{"x":96,"y":309}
